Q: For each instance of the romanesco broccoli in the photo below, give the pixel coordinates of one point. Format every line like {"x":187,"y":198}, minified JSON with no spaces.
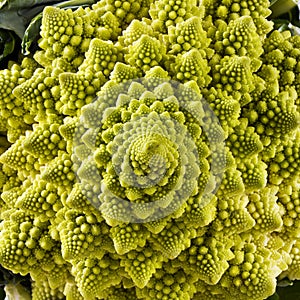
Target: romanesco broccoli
{"x":150,"y":150}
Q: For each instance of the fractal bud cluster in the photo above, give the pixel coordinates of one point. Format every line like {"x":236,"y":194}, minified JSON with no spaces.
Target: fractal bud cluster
{"x":150,"y":150}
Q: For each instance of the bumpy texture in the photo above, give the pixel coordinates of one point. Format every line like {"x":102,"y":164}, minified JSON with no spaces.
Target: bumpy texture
{"x":150,"y":150}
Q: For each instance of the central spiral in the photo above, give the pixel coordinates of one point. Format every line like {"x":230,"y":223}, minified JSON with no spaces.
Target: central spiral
{"x":149,"y":155}
{"x":153,"y":159}
{"x":145,"y":140}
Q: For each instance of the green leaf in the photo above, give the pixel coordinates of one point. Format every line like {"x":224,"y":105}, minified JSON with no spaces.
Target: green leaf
{"x":12,"y":4}
{"x":274,"y":297}
{"x":15,"y":15}
{"x":286,"y":15}
{"x":284,"y":283}
{"x":289,"y":293}
{"x":7,"y":43}
{"x":282,"y":25}
{"x":31,"y":34}
{"x":287,"y":290}
{"x":2,"y":294}
{"x":280,"y":7}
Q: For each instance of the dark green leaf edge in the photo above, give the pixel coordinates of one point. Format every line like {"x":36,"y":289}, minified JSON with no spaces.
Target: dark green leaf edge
{"x":280,"y":7}
{"x":7,"y":43}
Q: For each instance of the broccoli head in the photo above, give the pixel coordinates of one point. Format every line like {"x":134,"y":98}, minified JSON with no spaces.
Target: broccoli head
{"x":150,"y":150}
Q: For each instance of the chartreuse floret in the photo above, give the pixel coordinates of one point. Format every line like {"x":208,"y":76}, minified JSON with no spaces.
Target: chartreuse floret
{"x":187,"y":35}
{"x":200,"y":211}
{"x":143,"y":133}
{"x":110,"y":27}
{"x":165,"y":13}
{"x":10,"y":195}
{"x":226,"y":107}
{"x":275,"y":40}
{"x":123,"y":72}
{"x":173,"y":239}
{"x":282,"y":51}
{"x":171,"y":283}
{"x":288,"y":199}
{"x":145,"y":53}
{"x":251,"y":274}
{"x":100,"y":57}
{"x":293,"y":269}
{"x":128,"y":237}
{"x":59,"y":171}
{"x":155,"y":76}
{"x":240,"y":37}
{"x":77,"y":90}
{"x":134,"y":31}
{"x":44,"y":142}
{"x":264,"y":209}
{"x":26,"y":244}
{"x":58,"y":275}
{"x":285,"y":165}
{"x":71,"y":291}
{"x":11,"y":178}
{"x":277,"y":117}
{"x":125,"y":11}
{"x":206,"y":257}
{"x":191,"y":66}
{"x":11,"y":108}
{"x":232,"y":183}
{"x":61,"y":33}
{"x":17,"y":158}
{"x":274,"y":57}
{"x":98,"y":24}
{"x":81,"y":235}
{"x":254,"y":174}
{"x":87,"y":171}
{"x":232,"y":216}
{"x":42,"y":291}
{"x":244,"y":142}
{"x":232,"y":10}
{"x":280,"y":247}
{"x":141,"y":264}
{"x":71,"y":131}
{"x":233,"y":74}
{"x":38,"y":93}
{"x":93,"y":276}
{"x":40,"y":199}
{"x":158,"y":225}
{"x":83,"y":197}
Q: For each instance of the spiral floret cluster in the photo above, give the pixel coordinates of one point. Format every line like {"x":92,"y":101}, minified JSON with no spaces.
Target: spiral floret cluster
{"x":145,"y":159}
